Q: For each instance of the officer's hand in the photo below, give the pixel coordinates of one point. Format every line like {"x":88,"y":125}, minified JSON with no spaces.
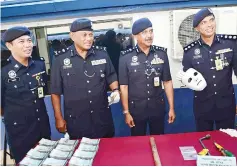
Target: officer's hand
{"x":171,"y":116}
{"x":114,"y":97}
{"x":61,"y":125}
{"x":129,"y":120}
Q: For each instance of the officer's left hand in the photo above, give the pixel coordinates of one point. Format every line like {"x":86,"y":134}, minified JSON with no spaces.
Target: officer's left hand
{"x":114,"y":97}
{"x":171,"y":116}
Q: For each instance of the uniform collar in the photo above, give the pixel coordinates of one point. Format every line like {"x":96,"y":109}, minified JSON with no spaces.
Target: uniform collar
{"x":17,"y":65}
{"x":215,"y":40}
{"x":74,"y":51}
{"x":138,"y":50}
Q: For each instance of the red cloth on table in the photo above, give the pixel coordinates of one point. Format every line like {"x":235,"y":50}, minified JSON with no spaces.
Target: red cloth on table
{"x":136,"y":151}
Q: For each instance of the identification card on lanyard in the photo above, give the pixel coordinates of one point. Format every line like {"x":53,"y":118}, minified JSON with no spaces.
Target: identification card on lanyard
{"x":156,"y":81}
{"x":40,"y":92}
{"x":219,"y":64}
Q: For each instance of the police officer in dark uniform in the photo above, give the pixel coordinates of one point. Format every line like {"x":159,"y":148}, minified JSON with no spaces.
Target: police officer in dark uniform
{"x":214,"y":56}
{"x":141,"y":72}
{"x":23,"y":85}
{"x":81,"y":75}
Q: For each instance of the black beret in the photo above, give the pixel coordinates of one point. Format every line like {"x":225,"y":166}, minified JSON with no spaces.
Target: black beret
{"x":81,"y":25}
{"x":199,"y":16}
{"x":15,"y":32}
{"x":140,"y":25}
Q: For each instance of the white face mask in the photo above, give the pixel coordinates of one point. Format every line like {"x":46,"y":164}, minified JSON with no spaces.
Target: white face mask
{"x":193,"y":79}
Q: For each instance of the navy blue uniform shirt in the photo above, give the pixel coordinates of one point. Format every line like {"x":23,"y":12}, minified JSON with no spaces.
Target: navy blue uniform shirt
{"x":139,"y":71}
{"x":83,"y":82}
{"x":25,"y":114}
{"x":202,"y":57}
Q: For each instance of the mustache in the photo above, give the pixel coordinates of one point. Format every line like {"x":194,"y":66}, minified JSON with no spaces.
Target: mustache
{"x":148,"y":39}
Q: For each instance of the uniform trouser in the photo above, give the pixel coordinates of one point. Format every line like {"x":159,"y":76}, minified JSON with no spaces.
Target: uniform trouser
{"x":209,"y":114}
{"x":151,"y":113}
{"x":156,"y":126}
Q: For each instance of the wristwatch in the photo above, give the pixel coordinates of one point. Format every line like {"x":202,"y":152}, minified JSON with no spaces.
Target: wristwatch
{"x":125,"y":112}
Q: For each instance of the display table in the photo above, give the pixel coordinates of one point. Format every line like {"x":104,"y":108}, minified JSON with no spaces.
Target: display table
{"x":135,"y":151}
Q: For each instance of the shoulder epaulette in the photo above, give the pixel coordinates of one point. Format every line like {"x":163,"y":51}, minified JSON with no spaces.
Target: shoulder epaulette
{"x":4,"y":62}
{"x":159,"y":48}
{"x":124,"y":52}
{"x":99,"y":48}
{"x":226,"y":36}
{"x":190,"y":45}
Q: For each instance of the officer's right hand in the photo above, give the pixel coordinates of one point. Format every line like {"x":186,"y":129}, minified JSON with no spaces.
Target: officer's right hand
{"x":61,"y":125}
{"x":129,"y":120}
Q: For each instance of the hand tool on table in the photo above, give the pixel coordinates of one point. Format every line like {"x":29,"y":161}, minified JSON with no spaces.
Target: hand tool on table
{"x":204,"y":138}
{"x":223,"y":151}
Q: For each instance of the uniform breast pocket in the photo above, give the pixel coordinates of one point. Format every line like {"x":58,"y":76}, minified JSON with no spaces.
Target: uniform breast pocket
{"x":228,"y":58}
{"x":14,"y":88}
{"x":69,"y":77}
{"x":198,"y":63}
{"x":136,"y":73}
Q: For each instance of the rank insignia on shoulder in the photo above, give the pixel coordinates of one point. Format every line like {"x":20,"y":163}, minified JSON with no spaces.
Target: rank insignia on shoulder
{"x":189,"y":46}
{"x":226,"y":36}
{"x":159,"y":48}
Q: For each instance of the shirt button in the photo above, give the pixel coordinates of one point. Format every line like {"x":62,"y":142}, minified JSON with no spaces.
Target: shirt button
{"x":15,"y":123}
{"x":68,"y":74}
{"x":91,"y":111}
{"x":195,"y":96}
{"x":15,"y":86}
{"x":30,"y":83}
{"x":215,"y":93}
{"x":35,"y":101}
{"x":147,"y":77}
{"x":214,"y":76}
{"x":88,"y":81}
{"x":37,"y":110}
{"x":148,"y":92}
{"x":147,"y":84}
{"x":210,"y":51}
{"x":214,"y":84}
{"x":27,"y":74}
{"x":90,"y":101}
{"x":38,"y":119}
{"x":148,"y":98}
{"x":211,"y":59}
{"x":135,"y":70}
{"x":132,"y":102}
{"x":197,"y":62}
{"x":70,"y":116}
{"x":84,"y":61}
{"x":89,"y":91}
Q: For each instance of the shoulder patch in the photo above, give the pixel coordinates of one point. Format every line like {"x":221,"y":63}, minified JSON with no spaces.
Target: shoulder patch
{"x":159,"y":48}
{"x":99,"y":48}
{"x":127,"y":51}
{"x":226,"y":36}
{"x":190,"y":45}
{"x":5,"y":62}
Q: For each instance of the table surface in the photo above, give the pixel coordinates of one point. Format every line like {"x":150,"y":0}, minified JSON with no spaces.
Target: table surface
{"x":136,"y":151}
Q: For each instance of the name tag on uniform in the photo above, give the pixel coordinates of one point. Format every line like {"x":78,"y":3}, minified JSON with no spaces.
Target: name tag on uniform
{"x":224,"y":51}
{"x":219,"y":64}
{"x":98,"y":62}
{"x":156,"y":81}
{"x":40,"y":92}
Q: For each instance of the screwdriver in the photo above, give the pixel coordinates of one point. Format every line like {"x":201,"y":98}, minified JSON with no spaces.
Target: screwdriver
{"x":223,"y":151}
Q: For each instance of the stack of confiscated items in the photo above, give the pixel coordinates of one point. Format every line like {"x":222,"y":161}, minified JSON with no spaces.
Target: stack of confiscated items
{"x":50,"y":153}
{"x":85,"y":154}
